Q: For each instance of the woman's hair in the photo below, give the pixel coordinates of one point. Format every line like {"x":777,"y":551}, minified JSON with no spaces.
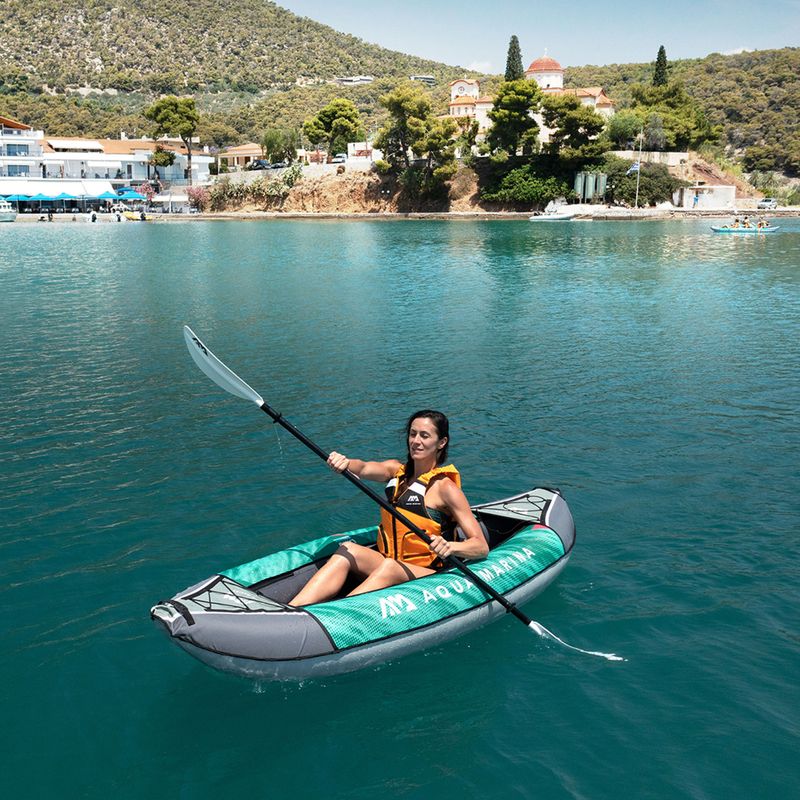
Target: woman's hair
{"x":442,"y":425}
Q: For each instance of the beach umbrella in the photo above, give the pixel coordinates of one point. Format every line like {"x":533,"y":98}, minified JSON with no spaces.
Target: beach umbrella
{"x":107,"y":196}
{"x":64,"y":197}
{"x":40,"y":198}
{"x":17,"y":198}
{"x":132,"y":196}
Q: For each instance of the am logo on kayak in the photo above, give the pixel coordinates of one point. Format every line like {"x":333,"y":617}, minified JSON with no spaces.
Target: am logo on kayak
{"x":400,"y":602}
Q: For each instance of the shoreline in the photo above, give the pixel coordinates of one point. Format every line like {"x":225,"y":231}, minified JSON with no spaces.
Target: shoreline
{"x":600,"y":213}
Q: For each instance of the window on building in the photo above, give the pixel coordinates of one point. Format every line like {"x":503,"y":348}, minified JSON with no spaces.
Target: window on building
{"x":18,"y":170}
{"x":17,"y":149}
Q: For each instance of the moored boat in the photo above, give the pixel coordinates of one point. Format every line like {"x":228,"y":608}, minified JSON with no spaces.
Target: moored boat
{"x":552,"y":216}
{"x":138,"y":216}
{"x":7,"y":212}
{"x":239,"y":620}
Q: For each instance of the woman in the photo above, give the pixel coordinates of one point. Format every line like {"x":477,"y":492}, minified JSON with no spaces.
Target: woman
{"x":425,"y":492}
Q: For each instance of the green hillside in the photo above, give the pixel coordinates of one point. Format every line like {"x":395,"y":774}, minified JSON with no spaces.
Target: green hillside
{"x":754,"y":96}
{"x":200,"y":46}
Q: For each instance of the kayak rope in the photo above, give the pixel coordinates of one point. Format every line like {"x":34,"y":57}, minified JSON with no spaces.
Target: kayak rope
{"x":546,"y":634}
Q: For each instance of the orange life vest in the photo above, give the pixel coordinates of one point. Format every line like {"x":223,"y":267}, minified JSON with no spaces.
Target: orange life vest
{"x":396,"y":540}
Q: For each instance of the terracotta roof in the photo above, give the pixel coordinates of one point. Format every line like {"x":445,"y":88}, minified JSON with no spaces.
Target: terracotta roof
{"x":485,"y":99}
{"x":464,"y":100}
{"x":600,"y":96}
{"x":114,"y":146}
{"x":242,"y":149}
{"x":545,"y":64}
{"x":7,"y":122}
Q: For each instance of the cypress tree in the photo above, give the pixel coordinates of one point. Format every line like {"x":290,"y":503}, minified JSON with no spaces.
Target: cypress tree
{"x":660,"y":73}
{"x":514,"y":70}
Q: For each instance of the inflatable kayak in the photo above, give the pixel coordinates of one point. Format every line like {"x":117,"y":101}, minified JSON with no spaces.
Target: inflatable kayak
{"x":726,"y":229}
{"x":239,"y":621}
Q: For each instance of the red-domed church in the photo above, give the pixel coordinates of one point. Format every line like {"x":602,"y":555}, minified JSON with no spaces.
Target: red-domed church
{"x":549,"y":74}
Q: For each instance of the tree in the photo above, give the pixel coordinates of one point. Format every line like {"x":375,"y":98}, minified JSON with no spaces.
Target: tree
{"x":162,"y":157}
{"x":336,"y":124}
{"x":280,"y":145}
{"x":656,"y":185}
{"x":514,"y":69}
{"x":513,"y":123}
{"x":409,"y":108}
{"x":654,"y":136}
{"x":576,"y":129}
{"x":438,"y":147}
{"x":176,"y":116}
{"x":623,"y":128}
{"x":660,"y":73}
{"x":684,"y":124}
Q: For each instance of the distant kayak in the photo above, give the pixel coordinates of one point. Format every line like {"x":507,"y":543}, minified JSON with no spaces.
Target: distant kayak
{"x":239,"y":620}
{"x":728,"y":229}
{"x":135,"y":216}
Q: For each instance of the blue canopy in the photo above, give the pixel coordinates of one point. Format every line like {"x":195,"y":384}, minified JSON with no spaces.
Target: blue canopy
{"x":17,"y":198}
{"x":107,"y":196}
{"x":130,"y":194}
{"x":40,"y":197}
{"x":65,"y":196}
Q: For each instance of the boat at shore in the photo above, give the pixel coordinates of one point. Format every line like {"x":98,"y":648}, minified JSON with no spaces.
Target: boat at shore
{"x":138,"y":216}
{"x":7,"y":212}
{"x":556,"y":215}
{"x":239,"y":620}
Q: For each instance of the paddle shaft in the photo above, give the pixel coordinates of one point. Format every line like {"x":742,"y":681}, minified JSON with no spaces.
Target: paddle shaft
{"x":452,"y":561}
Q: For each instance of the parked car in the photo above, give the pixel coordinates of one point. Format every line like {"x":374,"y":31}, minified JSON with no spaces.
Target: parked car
{"x":258,"y":163}
{"x":279,"y":165}
{"x":339,"y":158}
{"x":768,"y":203}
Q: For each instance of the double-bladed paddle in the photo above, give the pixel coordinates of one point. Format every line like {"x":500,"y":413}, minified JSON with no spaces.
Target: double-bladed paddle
{"x":228,"y":380}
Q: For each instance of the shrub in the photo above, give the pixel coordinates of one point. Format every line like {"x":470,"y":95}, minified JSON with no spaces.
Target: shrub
{"x":522,"y":186}
{"x":199,"y":197}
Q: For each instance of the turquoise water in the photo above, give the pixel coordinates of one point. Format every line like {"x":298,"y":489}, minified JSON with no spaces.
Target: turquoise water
{"x":650,"y":370}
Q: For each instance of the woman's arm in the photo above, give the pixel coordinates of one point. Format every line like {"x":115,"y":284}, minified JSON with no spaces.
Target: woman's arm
{"x":456,"y":504}
{"x":368,"y":470}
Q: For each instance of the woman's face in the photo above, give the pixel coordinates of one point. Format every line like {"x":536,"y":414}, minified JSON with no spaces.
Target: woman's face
{"x":423,"y":440}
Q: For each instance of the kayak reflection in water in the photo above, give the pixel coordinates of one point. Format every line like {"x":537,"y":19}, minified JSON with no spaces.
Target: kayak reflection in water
{"x":425,"y":491}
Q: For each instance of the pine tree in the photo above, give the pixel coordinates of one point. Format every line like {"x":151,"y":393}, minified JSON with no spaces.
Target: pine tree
{"x":660,"y":73}
{"x":514,"y":70}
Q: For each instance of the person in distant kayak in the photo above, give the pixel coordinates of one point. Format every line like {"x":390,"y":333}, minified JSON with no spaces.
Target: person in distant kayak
{"x":424,"y":491}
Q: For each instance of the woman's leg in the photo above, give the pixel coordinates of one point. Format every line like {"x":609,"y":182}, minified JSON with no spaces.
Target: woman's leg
{"x":329,"y":579}
{"x":388,"y":573}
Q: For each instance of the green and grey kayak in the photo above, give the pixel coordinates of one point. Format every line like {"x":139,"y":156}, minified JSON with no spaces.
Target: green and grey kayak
{"x":239,"y":620}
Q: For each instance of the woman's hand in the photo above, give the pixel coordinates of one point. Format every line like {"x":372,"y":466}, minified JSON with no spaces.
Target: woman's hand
{"x":441,"y":547}
{"x":337,"y":462}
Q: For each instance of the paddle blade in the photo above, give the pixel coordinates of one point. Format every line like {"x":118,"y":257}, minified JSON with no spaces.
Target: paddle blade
{"x":217,"y":371}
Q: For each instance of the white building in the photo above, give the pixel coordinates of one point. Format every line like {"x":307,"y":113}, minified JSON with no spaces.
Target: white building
{"x":466,"y":101}
{"x":549,"y":75}
{"x":33,"y":163}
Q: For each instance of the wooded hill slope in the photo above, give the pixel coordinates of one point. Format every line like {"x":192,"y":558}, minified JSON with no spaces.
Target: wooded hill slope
{"x":199,"y":46}
{"x":754,"y":96}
